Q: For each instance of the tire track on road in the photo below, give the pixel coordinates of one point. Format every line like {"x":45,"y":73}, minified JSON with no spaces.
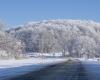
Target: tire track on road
{"x":70,"y":70}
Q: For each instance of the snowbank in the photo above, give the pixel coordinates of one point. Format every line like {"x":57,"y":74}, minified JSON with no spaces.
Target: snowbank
{"x":11,"y":68}
{"x":90,"y":61}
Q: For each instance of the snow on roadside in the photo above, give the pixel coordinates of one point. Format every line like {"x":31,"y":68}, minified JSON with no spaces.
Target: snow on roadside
{"x":11,"y":68}
{"x":90,"y":61}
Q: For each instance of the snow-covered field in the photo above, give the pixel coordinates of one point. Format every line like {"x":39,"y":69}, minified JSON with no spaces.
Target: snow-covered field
{"x":11,"y":68}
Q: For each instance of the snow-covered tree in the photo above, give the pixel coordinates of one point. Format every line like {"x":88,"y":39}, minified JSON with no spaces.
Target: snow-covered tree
{"x":75,"y":37}
{"x":9,"y":45}
{"x":84,"y":46}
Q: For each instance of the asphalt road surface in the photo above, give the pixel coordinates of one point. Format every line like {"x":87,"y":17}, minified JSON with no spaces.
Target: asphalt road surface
{"x":70,"y":70}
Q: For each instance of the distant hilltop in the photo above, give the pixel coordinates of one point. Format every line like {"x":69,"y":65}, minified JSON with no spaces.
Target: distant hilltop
{"x":77,"y":38}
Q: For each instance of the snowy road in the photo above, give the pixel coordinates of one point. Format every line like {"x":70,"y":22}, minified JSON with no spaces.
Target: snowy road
{"x":93,"y":69}
{"x":72,"y":70}
{"x":12,"y":68}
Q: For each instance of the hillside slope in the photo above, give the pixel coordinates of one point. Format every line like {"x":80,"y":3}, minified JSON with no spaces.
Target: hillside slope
{"x":77,"y":38}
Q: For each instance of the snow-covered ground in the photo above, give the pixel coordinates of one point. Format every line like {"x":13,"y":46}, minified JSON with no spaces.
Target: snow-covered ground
{"x":45,"y":54}
{"x":11,"y":68}
{"x":90,"y":61}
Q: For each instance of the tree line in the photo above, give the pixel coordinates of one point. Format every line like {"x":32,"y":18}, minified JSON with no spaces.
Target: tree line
{"x":10,"y":47}
{"x":74,"y":38}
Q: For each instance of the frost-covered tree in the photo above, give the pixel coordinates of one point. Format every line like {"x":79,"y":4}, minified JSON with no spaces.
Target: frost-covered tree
{"x":84,"y":46}
{"x":2,"y":25}
{"x":9,"y":45}
{"x":76,"y":37}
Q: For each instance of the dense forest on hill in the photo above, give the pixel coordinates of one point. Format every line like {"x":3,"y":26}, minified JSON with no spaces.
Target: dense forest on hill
{"x":76,"y":38}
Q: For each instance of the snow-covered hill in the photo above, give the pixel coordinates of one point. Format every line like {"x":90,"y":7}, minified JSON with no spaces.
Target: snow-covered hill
{"x":79,"y":38}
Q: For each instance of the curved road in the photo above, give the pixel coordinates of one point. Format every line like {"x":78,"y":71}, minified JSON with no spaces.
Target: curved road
{"x":70,"y":70}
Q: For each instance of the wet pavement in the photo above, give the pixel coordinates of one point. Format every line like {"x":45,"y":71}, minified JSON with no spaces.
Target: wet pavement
{"x":70,"y":70}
